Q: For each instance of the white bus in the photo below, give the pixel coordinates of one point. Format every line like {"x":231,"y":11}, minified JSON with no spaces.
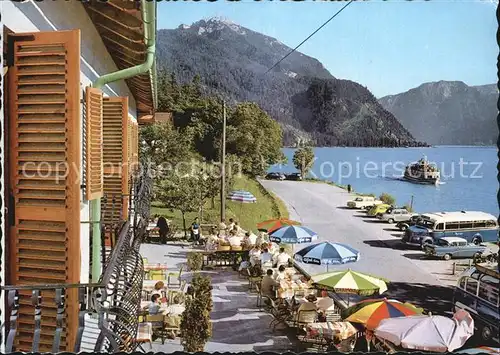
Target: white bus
{"x":476,"y":227}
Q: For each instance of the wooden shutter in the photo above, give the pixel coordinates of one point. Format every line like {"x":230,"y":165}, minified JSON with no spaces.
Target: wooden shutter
{"x":45,"y":136}
{"x":94,"y":180}
{"x":115,"y":157}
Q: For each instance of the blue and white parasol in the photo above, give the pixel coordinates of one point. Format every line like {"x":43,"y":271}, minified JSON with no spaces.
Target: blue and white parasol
{"x":327,"y":253}
{"x":242,"y":196}
{"x":293,"y":235}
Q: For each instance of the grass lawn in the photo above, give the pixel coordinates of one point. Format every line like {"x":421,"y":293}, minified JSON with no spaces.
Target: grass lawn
{"x":248,"y":215}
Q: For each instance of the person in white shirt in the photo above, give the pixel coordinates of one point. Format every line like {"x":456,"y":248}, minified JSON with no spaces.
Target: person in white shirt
{"x":235,"y":240}
{"x":281,"y":274}
{"x":250,"y":238}
{"x":230,"y":227}
{"x":254,"y":254}
{"x":244,"y":264}
{"x":266,"y":258}
{"x":282,"y":258}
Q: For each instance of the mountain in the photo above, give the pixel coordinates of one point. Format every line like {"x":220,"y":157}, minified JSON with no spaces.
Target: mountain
{"x":448,"y":112}
{"x":232,"y":61}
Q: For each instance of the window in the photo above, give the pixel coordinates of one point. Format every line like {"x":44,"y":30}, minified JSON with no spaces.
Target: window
{"x":439,"y":227}
{"x":471,"y":286}
{"x":490,"y":224}
{"x":479,"y":224}
{"x":488,"y":292}
{"x":442,"y":243}
{"x":452,"y":225}
{"x":358,"y":199}
{"x":465,"y":225}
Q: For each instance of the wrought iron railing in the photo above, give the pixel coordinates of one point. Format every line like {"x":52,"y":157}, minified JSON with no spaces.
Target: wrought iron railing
{"x":112,"y":305}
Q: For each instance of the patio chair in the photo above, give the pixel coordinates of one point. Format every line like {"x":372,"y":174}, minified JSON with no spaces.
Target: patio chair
{"x":157,"y":325}
{"x":333,"y":316}
{"x":253,"y":280}
{"x":305,"y":317}
{"x":172,"y":324}
{"x":280,"y":315}
{"x":144,"y":335}
{"x":158,"y":275}
{"x":172,"y":276}
{"x":259,"y":297}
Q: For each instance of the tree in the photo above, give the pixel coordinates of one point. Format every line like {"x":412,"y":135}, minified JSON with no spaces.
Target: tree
{"x":162,"y":143}
{"x":303,"y":159}
{"x":387,"y":199}
{"x":180,"y":191}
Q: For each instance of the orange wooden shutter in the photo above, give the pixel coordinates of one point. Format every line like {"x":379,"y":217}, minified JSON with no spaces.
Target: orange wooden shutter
{"x":115,"y":157}
{"x":93,"y":106}
{"x":45,"y":157}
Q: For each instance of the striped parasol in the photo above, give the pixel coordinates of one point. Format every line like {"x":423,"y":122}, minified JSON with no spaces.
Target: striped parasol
{"x":327,"y":253}
{"x":293,"y":235}
{"x":371,"y":312}
{"x":349,"y":281}
{"x":272,"y":225}
{"x":480,"y":350}
{"x":242,"y":196}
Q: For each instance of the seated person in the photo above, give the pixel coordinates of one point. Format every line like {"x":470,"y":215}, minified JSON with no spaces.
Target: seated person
{"x":154,"y":306}
{"x":250,"y":238}
{"x":310,"y":305}
{"x":281,"y":274}
{"x":230,"y":227}
{"x":268,"y":284}
{"x":282,"y":258}
{"x":173,"y":315}
{"x":254,"y":255}
{"x":235,"y":240}
{"x":158,"y":288}
{"x":244,"y":264}
{"x":266,"y":258}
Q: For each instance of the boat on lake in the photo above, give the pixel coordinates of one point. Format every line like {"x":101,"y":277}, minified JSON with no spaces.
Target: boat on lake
{"x":422,"y":172}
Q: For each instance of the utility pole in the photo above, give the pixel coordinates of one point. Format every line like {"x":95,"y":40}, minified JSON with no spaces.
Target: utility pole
{"x":411,"y":203}
{"x":223,"y":169}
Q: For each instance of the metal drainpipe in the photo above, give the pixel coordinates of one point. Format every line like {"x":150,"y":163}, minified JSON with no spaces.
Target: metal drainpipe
{"x":148,"y":10}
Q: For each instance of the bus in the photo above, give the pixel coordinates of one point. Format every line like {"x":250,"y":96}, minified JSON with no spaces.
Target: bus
{"x":476,"y":227}
{"x":477,"y":293}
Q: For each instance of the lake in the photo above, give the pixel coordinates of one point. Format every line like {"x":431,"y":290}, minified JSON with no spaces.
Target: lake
{"x":468,"y":174}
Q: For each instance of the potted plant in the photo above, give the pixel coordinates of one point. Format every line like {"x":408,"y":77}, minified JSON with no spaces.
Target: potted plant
{"x":196,"y":327}
{"x":195,"y":261}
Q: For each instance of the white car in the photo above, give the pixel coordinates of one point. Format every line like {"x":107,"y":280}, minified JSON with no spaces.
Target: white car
{"x":393,"y":215}
{"x":363,"y":202}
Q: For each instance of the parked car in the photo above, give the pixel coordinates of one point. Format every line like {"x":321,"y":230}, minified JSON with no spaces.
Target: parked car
{"x":275,"y":176}
{"x":363,"y":202}
{"x":404,"y":225}
{"x":453,"y":247}
{"x":294,"y":177}
{"x":396,"y":215}
{"x":378,"y":209}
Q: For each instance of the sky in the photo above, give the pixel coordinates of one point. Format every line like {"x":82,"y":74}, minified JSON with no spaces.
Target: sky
{"x":387,"y":46}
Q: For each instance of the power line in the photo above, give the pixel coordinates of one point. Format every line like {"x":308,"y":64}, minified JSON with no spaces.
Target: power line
{"x":312,"y":34}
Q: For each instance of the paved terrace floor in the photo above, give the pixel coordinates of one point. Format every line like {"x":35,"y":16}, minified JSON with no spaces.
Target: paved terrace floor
{"x":237,"y":324}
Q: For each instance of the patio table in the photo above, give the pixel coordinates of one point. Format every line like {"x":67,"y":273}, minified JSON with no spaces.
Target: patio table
{"x":148,"y":267}
{"x":288,"y":288}
{"x":304,"y":300}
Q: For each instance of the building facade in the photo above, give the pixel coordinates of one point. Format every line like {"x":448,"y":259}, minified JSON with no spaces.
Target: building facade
{"x":78,"y":79}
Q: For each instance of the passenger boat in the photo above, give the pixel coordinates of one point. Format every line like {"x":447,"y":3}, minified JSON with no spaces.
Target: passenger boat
{"x":422,"y":173}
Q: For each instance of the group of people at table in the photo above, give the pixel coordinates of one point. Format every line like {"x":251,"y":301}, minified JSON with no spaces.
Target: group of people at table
{"x":171,"y":310}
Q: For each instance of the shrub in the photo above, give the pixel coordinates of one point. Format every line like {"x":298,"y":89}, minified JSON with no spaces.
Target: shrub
{"x":194,"y":261}
{"x":196,"y":327}
{"x":388,"y":199}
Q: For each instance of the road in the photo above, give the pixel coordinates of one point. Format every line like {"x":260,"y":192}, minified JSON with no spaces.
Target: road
{"x":321,"y":207}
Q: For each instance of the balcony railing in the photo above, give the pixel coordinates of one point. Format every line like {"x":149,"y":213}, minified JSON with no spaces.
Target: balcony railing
{"x":107,"y":311}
